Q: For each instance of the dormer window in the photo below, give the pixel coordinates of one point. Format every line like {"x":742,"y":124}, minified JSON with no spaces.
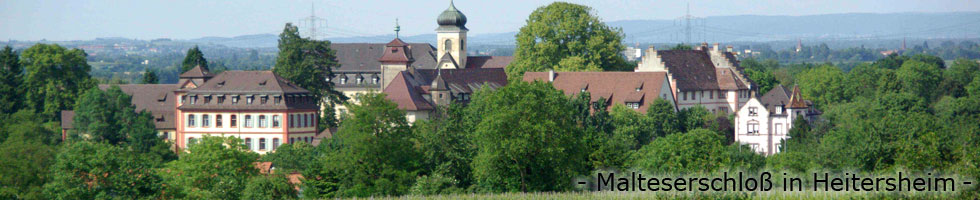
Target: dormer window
{"x":193,"y":99}
{"x":265,"y":99}
{"x":633,"y":105}
{"x":343,"y":80}
{"x":248,"y":100}
{"x":779,"y":109}
{"x":234,"y":99}
{"x":221,"y":99}
{"x":375,"y":80}
{"x":207,"y":99}
{"x":278,"y":99}
{"x":360,"y":80}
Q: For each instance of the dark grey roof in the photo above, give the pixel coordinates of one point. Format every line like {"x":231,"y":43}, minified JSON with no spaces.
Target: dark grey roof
{"x":776,"y":97}
{"x":263,"y":86}
{"x":465,"y":80}
{"x":693,"y":70}
{"x":363,"y":57}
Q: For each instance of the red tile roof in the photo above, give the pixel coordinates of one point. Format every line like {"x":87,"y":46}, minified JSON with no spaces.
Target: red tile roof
{"x":408,"y":95}
{"x":488,"y":61}
{"x":616,"y":87}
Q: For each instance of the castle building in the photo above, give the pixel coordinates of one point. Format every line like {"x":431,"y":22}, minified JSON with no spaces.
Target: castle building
{"x":708,"y":77}
{"x":259,"y":107}
{"x":418,"y":76}
{"x":763,"y":123}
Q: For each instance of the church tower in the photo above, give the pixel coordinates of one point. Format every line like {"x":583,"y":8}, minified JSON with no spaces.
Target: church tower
{"x":451,"y":38}
{"x":397,"y":57}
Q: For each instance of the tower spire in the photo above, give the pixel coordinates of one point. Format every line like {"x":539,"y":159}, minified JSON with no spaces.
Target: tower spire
{"x":397,"y":28}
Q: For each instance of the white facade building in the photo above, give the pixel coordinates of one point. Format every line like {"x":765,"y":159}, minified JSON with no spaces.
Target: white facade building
{"x":763,"y":123}
{"x":708,"y":77}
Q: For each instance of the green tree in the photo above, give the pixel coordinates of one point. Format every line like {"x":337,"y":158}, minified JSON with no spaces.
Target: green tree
{"x":150,"y":77}
{"x":526,"y":138}
{"x":10,"y":81}
{"x":973,"y":89}
{"x":213,"y":168}
{"x":446,"y":147}
{"x":664,"y":117}
{"x":823,"y":85}
{"x":109,"y":116}
{"x":55,"y":77}
{"x":307,"y":63}
{"x":765,"y":79}
{"x":959,"y":75}
{"x":920,"y":78}
{"x":193,"y":59}
{"x":695,"y":117}
{"x":681,"y":47}
{"x":566,"y":37}
{"x":86,"y":170}
{"x":292,"y":157}
{"x":272,"y":186}
{"x":26,"y":152}
{"x":699,"y":150}
{"x":375,"y":153}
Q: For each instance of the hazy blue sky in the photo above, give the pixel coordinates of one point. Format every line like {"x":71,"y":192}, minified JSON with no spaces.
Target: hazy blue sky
{"x":186,"y":19}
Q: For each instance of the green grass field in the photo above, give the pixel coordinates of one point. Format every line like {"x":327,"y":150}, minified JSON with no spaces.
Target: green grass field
{"x":694,"y":195}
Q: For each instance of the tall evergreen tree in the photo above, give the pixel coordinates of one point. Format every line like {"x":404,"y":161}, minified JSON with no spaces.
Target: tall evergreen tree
{"x":55,"y":77}
{"x":193,"y":58}
{"x":150,"y":77}
{"x":308,"y":63}
{"x":10,"y":81}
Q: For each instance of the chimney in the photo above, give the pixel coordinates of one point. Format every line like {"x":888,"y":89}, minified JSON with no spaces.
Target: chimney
{"x":551,"y":75}
{"x":715,"y":47}
{"x":728,"y":48}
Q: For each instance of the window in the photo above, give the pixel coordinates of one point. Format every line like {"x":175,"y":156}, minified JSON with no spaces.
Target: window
{"x":292,"y":121}
{"x":166,"y":135}
{"x":234,"y":121}
{"x":275,"y":121}
{"x":193,"y":99}
{"x":248,"y":143}
{"x":721,"y":94}
{"x":753,"y":111}
{"x":684,"y":94}
{"x":191,"y":120}
{"x":275,"y":143}
{"x":633,"y":105}
{"x":207,"y":99}
{"x":448,"y":45}
{"x":755,"y":147}
{"x":183,"y":99}
{"x":191,"y":141}
{"x":778,"y":147}
{"x":248,"y":121}
{"x":343,"y":80}
{"x":360,"y":80}
{"x":711,"y":94}
{"x":779,"y":129}
{"x":221,"y":99}
{"x":262,"y":121}
{"x":694,"y":96}
{"x":375,"y":80}
{"x":234,"y":99}
{"x":462,"y":43}
{"x":261,"y":144}
{"x":205,"y":120}
{"x":278,"y":99}
{"x":265,"y":99}
{"x":292,"y":140}
{"x":248,"y":100}
{"x":753,"y":127}
{"x":217,"y":120}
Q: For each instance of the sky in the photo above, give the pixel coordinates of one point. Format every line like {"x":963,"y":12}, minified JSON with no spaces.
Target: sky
{"x":188,"y":19}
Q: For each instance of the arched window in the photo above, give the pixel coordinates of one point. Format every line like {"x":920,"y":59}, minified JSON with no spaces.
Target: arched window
{"x":248,"y":121}
{"x":448,"y":45}
{"x":191,"y":120}
{"x":205,"y":120}
{"x":262,"y":144}
{"x":275,"y":121}
{"x":248,"y":143}
{"x":262,"y":121}
{"x":275,"y":143}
